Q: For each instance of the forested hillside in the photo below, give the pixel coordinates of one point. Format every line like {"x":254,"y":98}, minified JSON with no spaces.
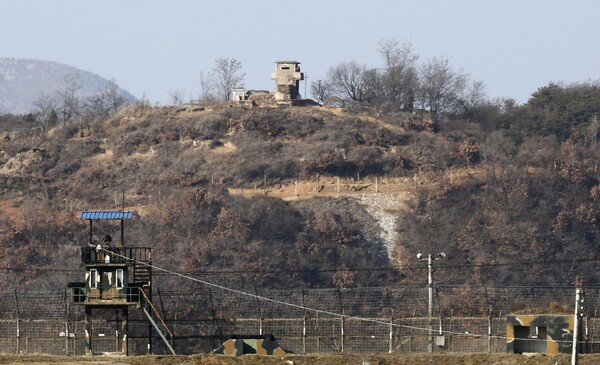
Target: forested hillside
{"x":509,"y":192}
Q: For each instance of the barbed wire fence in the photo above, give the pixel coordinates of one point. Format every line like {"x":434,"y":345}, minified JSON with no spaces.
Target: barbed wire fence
{"x":370,"y":319}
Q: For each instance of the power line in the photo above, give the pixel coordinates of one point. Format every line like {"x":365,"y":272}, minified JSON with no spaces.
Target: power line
{"x":343,"y":269}
{"x":525,"y":236}
{"x":305,"y":308}
{"x":259,"y":297}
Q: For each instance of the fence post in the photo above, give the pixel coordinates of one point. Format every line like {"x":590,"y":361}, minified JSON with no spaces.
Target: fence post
{"x":338,"y":185}
{"x":389,"y":303}
{"x":490,"y":334}
{"x":260,"y":311}
{"x":451,"y":329}
{"x":341,"y":320}
{"x":318,"y":333}
{"x":376,"y":184}
{"x":303,"y":323}
{"x":214,"y":317}
{"x":586,"y":334}
{"x":391,"y":348}
{"x":489,"y":308}
{"x":342,"y":335}
{"x":260,"y":325}
{"x":18,"y":323}
{"x":66,"y":324}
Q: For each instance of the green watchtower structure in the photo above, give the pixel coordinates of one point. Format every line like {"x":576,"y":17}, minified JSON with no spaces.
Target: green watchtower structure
{"x":116,"y":277}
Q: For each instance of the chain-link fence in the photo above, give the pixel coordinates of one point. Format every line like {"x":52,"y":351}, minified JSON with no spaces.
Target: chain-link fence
{"x":465,"y":319}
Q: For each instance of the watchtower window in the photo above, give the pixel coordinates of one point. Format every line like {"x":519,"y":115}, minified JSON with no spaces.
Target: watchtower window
{"x":119,"y":278}
{"x":285,"y":67}
{"x":93,"y":278}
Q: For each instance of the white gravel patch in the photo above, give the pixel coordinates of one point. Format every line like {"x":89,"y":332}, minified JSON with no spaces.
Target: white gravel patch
{"x":384,"y":207}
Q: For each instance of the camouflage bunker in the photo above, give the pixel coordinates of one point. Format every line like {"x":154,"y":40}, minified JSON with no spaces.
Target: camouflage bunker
{"x":539,"y":333}
{"x":242,"y":345}
{"x":287,"y":78}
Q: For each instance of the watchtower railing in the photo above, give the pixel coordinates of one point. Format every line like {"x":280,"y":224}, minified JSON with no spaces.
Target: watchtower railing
{"x":115,"y":255}
{"x":128,"y":295}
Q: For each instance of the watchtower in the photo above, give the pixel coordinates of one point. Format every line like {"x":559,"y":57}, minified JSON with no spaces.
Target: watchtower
{"x":287,"y":78}
{"x":116,"y":277}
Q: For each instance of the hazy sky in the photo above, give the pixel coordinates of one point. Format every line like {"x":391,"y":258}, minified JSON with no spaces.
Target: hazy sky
{"x":153,"y":47}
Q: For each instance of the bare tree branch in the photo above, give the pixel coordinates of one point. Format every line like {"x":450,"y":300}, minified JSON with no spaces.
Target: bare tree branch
{"x":347,"y":80}
{"x":227,"y":76}
{"x":45,"y":111}
{"x":440,"y":85}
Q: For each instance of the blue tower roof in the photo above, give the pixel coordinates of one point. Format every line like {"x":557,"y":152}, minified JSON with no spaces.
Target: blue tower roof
{"x":106,"y":215}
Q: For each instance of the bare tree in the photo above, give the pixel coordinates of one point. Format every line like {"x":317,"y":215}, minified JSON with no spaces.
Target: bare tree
{"x":471,"y":97}
{"x":114,"y":97}
{"x":177,"y":97}
{"x":207,"y":86}
{"x":105,"y":103}
{"x":400,"y":78}
{"x":143,"y":104}
{"x":45,"y":111}
{"x":321,"y":90}
{"x":440,"y":85}
{"x":373,"y":87}
{"x":70,"y":100}
{"x":96,"y":106}
{"x":226,"y":75}
{"x":347,"y":80}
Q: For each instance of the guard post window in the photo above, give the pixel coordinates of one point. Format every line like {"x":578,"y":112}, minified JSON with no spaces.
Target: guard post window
{"x":119,"y":278}
{"x":93,"y":278}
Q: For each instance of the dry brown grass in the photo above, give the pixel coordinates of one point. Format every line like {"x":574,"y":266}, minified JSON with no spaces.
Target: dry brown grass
{"x":355,"y":359}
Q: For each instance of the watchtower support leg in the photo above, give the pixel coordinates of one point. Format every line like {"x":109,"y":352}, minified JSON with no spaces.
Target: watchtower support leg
{"x":88,"y":330}
{"x":124,"y":325}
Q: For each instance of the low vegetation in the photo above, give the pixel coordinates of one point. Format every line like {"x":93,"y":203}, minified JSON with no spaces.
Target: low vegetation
{"x":452,"y":359}
{"x":504,"y":184}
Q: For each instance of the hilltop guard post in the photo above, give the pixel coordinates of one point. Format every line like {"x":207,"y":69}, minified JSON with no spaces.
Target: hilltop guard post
{"x":287,"y":78}
{"x":116,"y":277}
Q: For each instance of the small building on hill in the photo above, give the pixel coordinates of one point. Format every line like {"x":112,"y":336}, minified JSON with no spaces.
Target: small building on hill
{"x":238,"y":94}
{"x":287,"y":78}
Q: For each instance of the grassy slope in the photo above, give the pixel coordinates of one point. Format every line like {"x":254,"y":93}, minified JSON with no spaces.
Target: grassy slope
{"x":517,"y":199}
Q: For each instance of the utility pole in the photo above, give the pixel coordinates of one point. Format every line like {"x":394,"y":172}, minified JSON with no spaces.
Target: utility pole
{"x":319,"y":95}
{"x":430,"y":260}
{"x":305,"y":81}
{"x":576,"y":319}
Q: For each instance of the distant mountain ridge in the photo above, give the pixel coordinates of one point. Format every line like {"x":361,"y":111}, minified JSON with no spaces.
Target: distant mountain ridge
{"x":22,"y":81}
